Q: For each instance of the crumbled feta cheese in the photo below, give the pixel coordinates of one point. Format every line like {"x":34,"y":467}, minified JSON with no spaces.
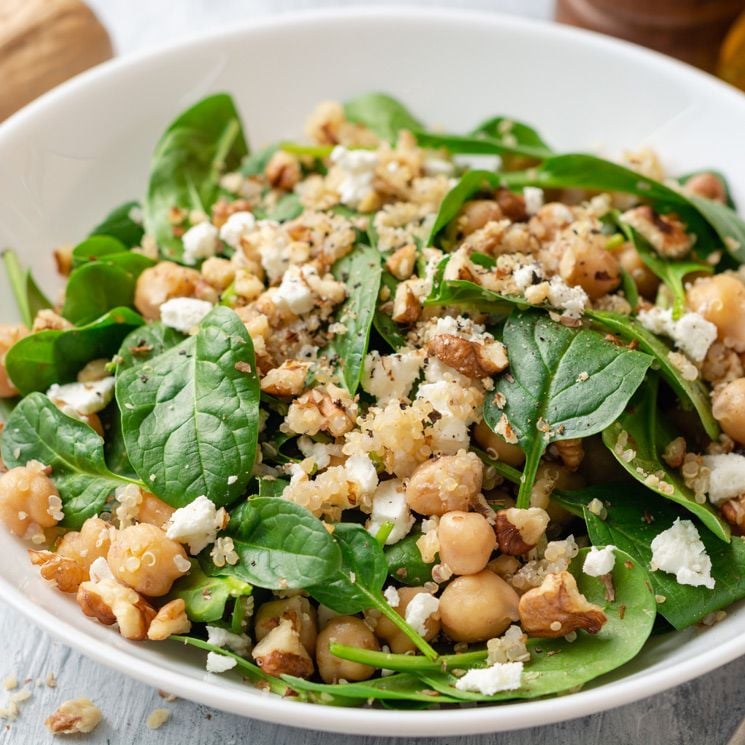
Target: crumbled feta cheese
{"x":390,"y":376}
{"x":679,"y":551}
{"x":357,"y":168}
{"x":691,"y":333}
{"x":459,"y":407}
{"x":239,"y":643}
{"x":389,"y":505}
{"x":533,"y":199}
{"x":361,"y":471}
{"x":196,"y":524}
{"x":99,"y":570}
{"x":295,"y":291}
{"x":200,"y":242}
{"x":420,"y":608}
{"x":572,"y":300}
{"x":727,"y":477}
{"x":184,"y":313}
{"x":83,"y":398}
{"x":527,"y":275}
{"x":274,"y":249}
{"x":392,"y":597}
{"x":502,"y":676}
{"x":434,"y":166}
{"x":235,"y":226}
{"x":599,"y":561}
{"x":219,"y":663}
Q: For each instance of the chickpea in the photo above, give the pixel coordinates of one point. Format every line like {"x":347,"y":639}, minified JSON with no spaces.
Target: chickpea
{"x":91,"y":543}
{"x":477,"y":213}
{"x":729,"y":409}
{"x":477,"y":607}
{"x":707,"y":185}
{"x":588,"y":264}
{"x":466,"y":541}
{"x":352,"y":632}
{"x":721,"y":300}
{"x":9,"y":335}
{"x":496,"y":447}
{"x":631,"y":262}
{"x":297,"y":610}
{"x":386,"y":630}
{"x":142,"y":557}
{"x":95,"y":370}
{"x":154,"y":511}
{"x":29,"y":500}
{"x":445,"y":484}
{"x":218,"y":272}
{"x":167,"y":280}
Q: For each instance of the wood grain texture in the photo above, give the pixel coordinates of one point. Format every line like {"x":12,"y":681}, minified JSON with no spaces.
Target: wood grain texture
{"x":704,"y":712}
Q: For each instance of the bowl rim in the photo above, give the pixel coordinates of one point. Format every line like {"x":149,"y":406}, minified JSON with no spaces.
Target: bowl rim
{"x":362,"y":720}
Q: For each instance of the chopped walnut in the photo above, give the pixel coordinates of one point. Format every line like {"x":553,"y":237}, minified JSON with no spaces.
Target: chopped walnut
{"x":471,"y":358}
{"x":79,"y":715}
{"x":281,"y":652}
{"x":406,"y":305}
{"x":666,"y":233}
{"x":323,"y":409}
{"x":733,"y":511}
{"x":401,"y":262}
{"x":518,"y":530}
{"x":283,"y":171}
{"x":170,"y":619}
{"x":66,"y":573}
{"x":557,"y":608}
{"x":111,"y":602}
{"x":286,"y":380}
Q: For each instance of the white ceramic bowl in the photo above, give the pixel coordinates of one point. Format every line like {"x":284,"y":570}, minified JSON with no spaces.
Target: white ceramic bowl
{"x":69,"y":157}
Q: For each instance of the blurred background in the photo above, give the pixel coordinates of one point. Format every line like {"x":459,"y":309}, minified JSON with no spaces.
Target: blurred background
{"x":43,"y":42}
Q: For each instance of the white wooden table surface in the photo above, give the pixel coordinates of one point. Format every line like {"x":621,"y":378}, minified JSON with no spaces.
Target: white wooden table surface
{"x":704,"y":712}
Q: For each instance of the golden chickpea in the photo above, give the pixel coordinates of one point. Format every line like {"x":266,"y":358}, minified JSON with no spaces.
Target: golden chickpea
{"x":167,"y":280}
{"x":297,"y":610}
{"x":94,"y":370}
{"x":218,"y":272}
{"x":496,"y":447}
{"x":721,"y":300}
{"x":466,"y":541}
{"x":386,"y":630}
{"x":142,"y":557}
{"x":729,"y":409}
{"x":154,"y":511}
{"x":351,"y":632}
{"x":707,"y":185}
{"x":475,"y":214}
{"x":589,"y":265}
{"x":445,"y":484}
{"x":477,"y":607}
{"x":91,"y":543}
{"x":9,"y":335}
{"x":29,"y":500}
{"x":631,"y":262}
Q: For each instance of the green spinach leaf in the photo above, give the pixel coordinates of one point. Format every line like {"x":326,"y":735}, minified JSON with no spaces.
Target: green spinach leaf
{"x":123,"y":223}
{"x":405,"y":563}
{"x":29,"y":298}
{"x":382,"y":114}
{"x":53,"y":356}
{"x":562,"y":383}
{"x":96,"y":288}
{"x":38,"y":430}
{"x":146,"y":342}
{"x":196,"y":149}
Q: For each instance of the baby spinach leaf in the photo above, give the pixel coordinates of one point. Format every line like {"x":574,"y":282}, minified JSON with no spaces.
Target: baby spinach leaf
{"x":123,"y":223}
{"x":562,"y":383}
{"x":206,"y":597}
{"x":190,"y":415}
{"x":502,"y":127}
{"x":636,"y":439}
{"x":96,"y":288}
{"x":115,"y":450}
{"x":53,"y":356}
{"x":197,"y":148}
{"x":635,"y":516}
{"x":361,"y":272}
{"x":382,"y":114}
{"x":29,"y":298}
{"x":146,"y":342}
{"x":690,"y":392}
{"x":386,"y":327}
{"x":38,"y":430}
{"x":630,"y":291}
{"x":288,"y":207}
{"x":462,"y":292}
{"x":111,"y":251}
{"x":358,"y":584}
{"x":281,"y":546}
{"x":558,"y":665}
{"x":405,"y":563}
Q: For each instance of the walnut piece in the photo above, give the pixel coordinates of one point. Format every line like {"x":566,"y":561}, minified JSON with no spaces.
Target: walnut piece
{"x":281,"y":652}
{"x":520,"y":530}
{"x":406,"y":305}
{"x":79,"y":715}
{"x":170,"y":619}
{"x":666,"y":233}
{"x":283,"y":171}
{"x":65,"y":573}
{"x":111,"y":602}
{"x":401,"y":262}
{"x":557,"y":608}
{"x":471,"y":358}
{"x":286,"y":380}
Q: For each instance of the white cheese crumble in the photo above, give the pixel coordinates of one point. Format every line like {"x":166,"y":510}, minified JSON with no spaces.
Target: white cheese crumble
{"x":533,"y":199}
{"x":219,"y":663}
{"x":389,"y":505}
{"x":420,"y":608}
{"x":599,"y":561}
{"x":357,"y":168}
{"x":392,"y":597}
{"x":679,"y":551}
{"x":361,"y":471}
{"x":502,"y":676}
{"x":434,"y":166}
{"x":184,"y":313}
{"x":572,"y":300}
{"x":727,"y":477}
{"x":200,"y":242}
{"x":319,"y":452}
{"x":527,"y":275}
{"x":83,"y":398}
{"x":196,"y":524}
{"x":295,"y":292}
{"x":691,"y":333}
{"x":236,"y":226}
{"x":239,"y":643}
{"x":390,"y":377}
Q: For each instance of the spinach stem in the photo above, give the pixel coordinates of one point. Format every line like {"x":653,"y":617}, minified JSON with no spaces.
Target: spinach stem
{"x":385,"y":530}
{"x":407,"y":662}
{"x":532,"y":460}
{"x":422,"y":645}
